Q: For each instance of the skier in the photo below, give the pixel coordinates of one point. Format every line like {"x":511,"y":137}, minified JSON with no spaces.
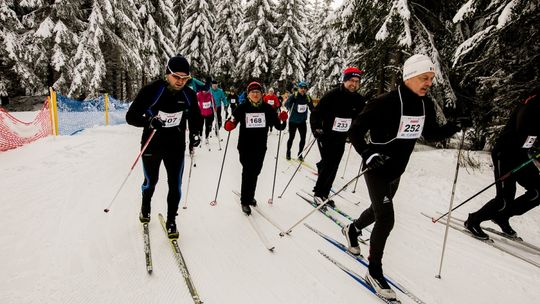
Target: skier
{"x":330,"y":120}
{"x":233,"y":98}
{"x":298,"y":104}
{"x":519,"y":136}
{"x":272,"y":99}
{"x":207,"y":107}
{"x":254,"y":117}
{"x":219,"y":100}
{"x":395,"y":121}
{"x":166,"y":106}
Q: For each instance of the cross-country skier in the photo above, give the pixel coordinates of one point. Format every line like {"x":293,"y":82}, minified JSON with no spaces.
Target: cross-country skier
{"x":298,"y":104}
{"x":518,"y":141}
{"x":166,"y":106}
{"x":330,"y":121}
{"x":395,"y":121}
{"x":254,"y":117}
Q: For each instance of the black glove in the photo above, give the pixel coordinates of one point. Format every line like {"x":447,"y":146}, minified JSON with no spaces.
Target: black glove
{"x":155,"y":123}
{"x":194,"y":142}
{"x":374,"y":160}
{"x":463,"y":122}
{"x":318,"y":133}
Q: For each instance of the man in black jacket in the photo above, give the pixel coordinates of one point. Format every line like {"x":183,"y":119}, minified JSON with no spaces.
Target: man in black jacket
{"x":395,"y":121}
{"x":330,"y":121}
{"x":166,"y":106}
{"x":517,"y":142}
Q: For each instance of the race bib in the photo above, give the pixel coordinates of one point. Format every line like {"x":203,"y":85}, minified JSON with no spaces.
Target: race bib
{"x":271,"y":102}
{"x":301,"y":108}
{"x":529,"y":142}
{"x":170,"y":119}
{"x":255,"y":120}
{"x":410,"y":127}
{"x":233,"y":100}
{"x":206,"y":105}
{"x":342,"y":124}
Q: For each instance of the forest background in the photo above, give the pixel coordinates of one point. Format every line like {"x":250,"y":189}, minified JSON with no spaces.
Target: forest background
{"x":486,"y":52}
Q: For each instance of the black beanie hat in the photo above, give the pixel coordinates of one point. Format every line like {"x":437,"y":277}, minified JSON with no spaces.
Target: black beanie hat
{"x":177,"y":64}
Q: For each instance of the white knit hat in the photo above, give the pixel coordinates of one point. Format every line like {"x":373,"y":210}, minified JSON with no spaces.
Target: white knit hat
{"x":417,"y":64}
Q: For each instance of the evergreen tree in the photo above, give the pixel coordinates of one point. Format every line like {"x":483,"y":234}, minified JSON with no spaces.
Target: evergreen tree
{"x":13,"y":70}
{"x":225,"y":49}
{"x":159,"y":32}
{"x":257,"y":49}
{"x":289,"y":63}
{"x":197,"y":37}
{"x":497,"y":62}
{"x":327,"y":60}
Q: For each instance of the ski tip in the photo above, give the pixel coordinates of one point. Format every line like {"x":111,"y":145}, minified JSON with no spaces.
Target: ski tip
{"x":106,"y":210}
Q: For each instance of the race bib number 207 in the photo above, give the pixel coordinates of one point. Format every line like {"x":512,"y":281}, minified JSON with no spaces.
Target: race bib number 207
{"x":170,"y":119}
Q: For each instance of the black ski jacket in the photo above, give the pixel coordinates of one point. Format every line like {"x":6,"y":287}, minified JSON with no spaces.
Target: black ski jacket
{"x":255,"y":138}
{"x":521,"y":132}
{"x":381,"y":119}
{"x":340,"y":103}
{"x":156,"y":97}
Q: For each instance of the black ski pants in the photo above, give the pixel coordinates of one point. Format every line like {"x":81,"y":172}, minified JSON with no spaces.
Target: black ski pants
{"x":381,"y":212}
{"x":505,"y":205}
{"x":302,"y":128}
{"x":252,"y":163}
{"x":208,"y":120}
{"x":174,"y":164}
{"x":331,"y":154}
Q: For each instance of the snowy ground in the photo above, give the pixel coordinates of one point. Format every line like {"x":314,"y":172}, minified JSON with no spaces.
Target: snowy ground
{"x":58,"y":246}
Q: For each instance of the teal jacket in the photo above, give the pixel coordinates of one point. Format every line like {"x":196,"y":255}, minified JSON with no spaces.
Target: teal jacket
{"x":298,"y":106}
{"x":219,"y":97}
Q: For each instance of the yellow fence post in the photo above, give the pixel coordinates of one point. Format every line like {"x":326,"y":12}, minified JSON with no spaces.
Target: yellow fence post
{"x":106,"y":109}
{"x":50,"y":99}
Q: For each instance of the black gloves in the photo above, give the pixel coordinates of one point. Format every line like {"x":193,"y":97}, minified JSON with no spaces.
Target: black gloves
{"x":373,"y":160}
{"x":155,"y":123}
{"x":318,"y":133}
{"x":194,"y":142}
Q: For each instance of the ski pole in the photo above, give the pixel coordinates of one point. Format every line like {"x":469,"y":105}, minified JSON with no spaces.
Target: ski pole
{"x":356,"y":183}
{"x":297,"y":168}
{"x":346,"y":161}
{"x":214,"y":202}
{"x":106,"y":210}
{"x":438,"y":276}
{"x":322,"y":204}
{"x":489,"y":186}
{"x":191,"y":165}
{"x":271,"y":200}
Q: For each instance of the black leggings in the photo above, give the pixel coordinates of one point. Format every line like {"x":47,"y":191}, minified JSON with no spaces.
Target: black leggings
{"x":505,"y":205}
{"x":174,"y":164}
{"x":292,"y":132}
{"x":331,"y":154}
{"x":381,"y":212}
{"x":252,"y":163}
{"x":208,"y":120}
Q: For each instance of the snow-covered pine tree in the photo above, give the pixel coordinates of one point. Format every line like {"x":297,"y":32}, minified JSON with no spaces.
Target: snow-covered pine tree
{"x":53,"y":40}
{"x":290,"y":60}
{"x":497,"y":62}
{"x":179,"y":10}
{"x":159,"y":32}
{"x":257,"y":38}
{"x":13,"y":70}
{"x":198,"y":37}
{"x":89,"y":64}
{"x":225,"y":48}
{"x":326,"y":52}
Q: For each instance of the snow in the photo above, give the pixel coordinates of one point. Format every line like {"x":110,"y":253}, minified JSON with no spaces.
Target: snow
{"x":506,"y":14}
{"x":60,"y":247}
{"x":464,"y":11}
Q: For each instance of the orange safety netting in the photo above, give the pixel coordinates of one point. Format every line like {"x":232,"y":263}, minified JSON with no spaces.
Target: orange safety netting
{"x":15,"y":133}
